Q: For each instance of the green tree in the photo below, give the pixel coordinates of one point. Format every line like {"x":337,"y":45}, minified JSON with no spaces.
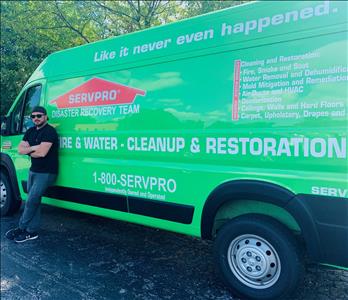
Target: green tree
{"x":195,"y":8}
{"x":19,"y":54}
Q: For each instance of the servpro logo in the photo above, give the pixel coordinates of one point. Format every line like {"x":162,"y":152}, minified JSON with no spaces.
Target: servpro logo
{"x":97,"y":92}
{"x":97,"y":98}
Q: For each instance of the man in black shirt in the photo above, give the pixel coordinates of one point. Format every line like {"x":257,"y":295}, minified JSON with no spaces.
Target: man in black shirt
{"x":41,"y":144}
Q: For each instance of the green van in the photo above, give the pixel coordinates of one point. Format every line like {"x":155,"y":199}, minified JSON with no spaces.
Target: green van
{"x":230,"y":126}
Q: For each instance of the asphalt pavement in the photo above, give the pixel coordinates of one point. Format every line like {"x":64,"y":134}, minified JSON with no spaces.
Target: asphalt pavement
{"x":79,"y":256}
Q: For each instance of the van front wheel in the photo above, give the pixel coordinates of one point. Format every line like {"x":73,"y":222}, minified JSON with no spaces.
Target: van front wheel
{"x":8,"y":203}
{"x":258,"y":258}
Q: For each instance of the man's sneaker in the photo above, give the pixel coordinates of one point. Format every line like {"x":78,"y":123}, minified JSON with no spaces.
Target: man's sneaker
{"x":13,"y":233}
{"x":26,"y":236}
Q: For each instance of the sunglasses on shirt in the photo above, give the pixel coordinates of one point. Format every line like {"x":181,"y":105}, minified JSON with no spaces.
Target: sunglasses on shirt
{"x":39,"y":116}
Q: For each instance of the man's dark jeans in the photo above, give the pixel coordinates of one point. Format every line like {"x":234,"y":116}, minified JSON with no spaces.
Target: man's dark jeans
{"x":37,"y":185}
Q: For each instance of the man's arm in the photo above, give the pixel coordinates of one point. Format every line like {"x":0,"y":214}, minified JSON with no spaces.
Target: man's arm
{"x":40,"y":150}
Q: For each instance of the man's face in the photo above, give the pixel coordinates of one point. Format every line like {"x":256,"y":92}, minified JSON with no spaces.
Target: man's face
{"x":38,"y":118}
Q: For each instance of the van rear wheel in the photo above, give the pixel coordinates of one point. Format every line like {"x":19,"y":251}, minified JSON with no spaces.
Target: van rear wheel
{"x":8,"y":203}
{"x":258,"y":258}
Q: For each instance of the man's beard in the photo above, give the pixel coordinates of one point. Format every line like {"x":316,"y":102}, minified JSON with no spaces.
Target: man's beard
{"x":38,"y":126}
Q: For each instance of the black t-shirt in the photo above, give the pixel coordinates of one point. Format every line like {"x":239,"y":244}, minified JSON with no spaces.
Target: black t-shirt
{"x":49,"y":163}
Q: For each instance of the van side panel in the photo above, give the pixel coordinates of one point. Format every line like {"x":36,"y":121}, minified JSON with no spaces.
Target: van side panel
{"x":179,"y":139}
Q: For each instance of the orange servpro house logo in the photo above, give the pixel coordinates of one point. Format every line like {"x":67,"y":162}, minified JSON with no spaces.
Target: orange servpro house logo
{"x":98,"y":97}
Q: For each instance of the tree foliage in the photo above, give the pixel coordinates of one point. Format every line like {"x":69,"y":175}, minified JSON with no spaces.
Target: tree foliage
{"x":30,"y":30}
{"x":195,"y":8}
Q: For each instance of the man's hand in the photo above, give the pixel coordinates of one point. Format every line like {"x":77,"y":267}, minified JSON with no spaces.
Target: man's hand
{"x":40,"y":150}
{"x":24,"y":148}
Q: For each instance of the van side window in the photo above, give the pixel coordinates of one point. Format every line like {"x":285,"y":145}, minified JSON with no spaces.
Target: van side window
{"x":32,"y":100}
{"x":16,"y":115}
{"x":20,"y":120}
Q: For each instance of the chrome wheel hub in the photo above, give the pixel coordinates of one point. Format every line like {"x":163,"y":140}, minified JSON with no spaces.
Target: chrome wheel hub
{"x":3,"y":194}
{"x":254,"y":261}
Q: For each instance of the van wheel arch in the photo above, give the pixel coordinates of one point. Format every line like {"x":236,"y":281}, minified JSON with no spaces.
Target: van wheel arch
{"x":241,"y":190}
{"x":265,"y":192}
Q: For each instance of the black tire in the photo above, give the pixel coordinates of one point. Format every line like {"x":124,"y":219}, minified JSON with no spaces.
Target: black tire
{"x":8,"y":203}
{"x":258,"y":258}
